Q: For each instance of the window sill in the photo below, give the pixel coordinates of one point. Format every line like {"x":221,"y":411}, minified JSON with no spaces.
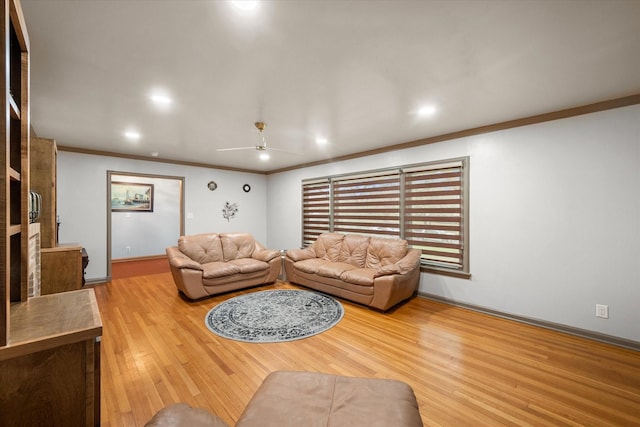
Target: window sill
{"x":444,"y":272}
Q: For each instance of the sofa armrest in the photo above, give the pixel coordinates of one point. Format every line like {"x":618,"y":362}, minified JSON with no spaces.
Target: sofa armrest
{"x":300,"y":254}
{"x":408,"y":263}
{"x":265,"y":255}
{"x":179,"y":260}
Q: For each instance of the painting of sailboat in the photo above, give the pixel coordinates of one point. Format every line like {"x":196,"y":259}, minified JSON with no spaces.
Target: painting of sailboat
{"x":131,"y":197}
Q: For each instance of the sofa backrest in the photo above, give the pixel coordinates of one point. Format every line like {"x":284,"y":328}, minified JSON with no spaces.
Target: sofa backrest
{"x":360,"y":251}
{"x":384,"y":251}
{"x":237,"y":245}
{"x":354,"y":250}
{"x":327,"y":246}
{"x":202,"y":248}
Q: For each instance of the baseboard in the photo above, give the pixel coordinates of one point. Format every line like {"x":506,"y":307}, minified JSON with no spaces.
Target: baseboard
{"x":97,"y":281}
{"x":583,"y":333}
{"x":138,"y":258}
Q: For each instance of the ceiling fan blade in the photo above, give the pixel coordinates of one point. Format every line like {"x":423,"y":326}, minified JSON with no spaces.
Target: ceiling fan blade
{"x":236,"y":148}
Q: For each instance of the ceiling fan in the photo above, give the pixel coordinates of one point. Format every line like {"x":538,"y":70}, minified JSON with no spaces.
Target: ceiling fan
{"x":262,"y":143}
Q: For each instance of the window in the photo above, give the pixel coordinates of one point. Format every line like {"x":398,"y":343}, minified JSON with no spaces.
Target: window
{"x":433,"y":213}
{"x":367,"y":205}
{"x":425,"y":204}
{"x":316,"y":210}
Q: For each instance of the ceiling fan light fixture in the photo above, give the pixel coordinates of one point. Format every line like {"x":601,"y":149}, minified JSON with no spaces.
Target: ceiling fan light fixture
{"x":262,"y":142}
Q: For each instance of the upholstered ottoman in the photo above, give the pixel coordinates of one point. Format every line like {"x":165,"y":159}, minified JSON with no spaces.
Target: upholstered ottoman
{"x":299,"y":399}
{"x":308,"y":399}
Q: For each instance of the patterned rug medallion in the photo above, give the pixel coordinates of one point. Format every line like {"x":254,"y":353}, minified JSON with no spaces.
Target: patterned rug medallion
{"x":274,"y":316}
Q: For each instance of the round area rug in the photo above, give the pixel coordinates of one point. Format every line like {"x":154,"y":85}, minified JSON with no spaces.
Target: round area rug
{"x":274,"y":316}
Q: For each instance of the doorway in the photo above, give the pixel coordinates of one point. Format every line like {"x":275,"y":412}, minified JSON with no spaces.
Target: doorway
{"x":145,"y":214}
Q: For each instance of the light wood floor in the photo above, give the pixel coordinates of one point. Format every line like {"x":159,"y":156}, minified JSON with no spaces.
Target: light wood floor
{"x":466,"y":368}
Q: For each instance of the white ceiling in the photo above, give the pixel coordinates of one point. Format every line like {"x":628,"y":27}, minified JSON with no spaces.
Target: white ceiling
{"x":354,"y":72}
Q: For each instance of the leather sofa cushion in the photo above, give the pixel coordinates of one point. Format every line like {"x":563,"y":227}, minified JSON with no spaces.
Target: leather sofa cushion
{"x":334,"y":269}
{"x":354,"y":250}
{"x":383,"y":252}
{"x":359,"y":276}
{"x":327,"y":246}
{"x":212,"y":270}
{"x":249,"y":265}
{"x":310,"y":265}
{"x":202,"y":248}
{"x":237,"y":245}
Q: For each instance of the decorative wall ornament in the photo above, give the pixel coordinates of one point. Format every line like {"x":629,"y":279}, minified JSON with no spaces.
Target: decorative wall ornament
{"x":212,"y":185}
{"x":246,"y":188}
{"x":229,"y":210}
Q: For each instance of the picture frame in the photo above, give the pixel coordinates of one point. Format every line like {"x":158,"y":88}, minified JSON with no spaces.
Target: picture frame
{"x":131,"y":197}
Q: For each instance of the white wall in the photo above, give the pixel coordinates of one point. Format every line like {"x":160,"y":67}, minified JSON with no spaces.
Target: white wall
{"x":554,"y":215}
{"x":554,"y":218}
{"x":83,"y":205}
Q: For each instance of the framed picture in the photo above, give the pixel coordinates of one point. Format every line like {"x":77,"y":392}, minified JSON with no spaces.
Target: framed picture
{"x":131,"y":197}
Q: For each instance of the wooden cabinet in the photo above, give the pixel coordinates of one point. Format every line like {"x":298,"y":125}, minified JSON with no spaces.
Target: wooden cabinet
{"x":61,"y":264}
{"x":50,"y":373}
{"x":44,"y":157}
{"x":61,"y":269}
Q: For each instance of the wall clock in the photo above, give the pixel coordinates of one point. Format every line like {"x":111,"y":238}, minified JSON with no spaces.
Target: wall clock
{"x":212,"y":185}
{"x":246,"y":188}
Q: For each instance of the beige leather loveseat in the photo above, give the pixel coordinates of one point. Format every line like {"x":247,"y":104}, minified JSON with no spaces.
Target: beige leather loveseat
{"x":374,"y":271}
{"x":207,"y":264}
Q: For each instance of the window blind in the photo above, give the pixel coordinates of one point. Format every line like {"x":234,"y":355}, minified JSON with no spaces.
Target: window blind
{"x":433,"y":214}
{"x":316,"y":210}
{"x":367,"y":205}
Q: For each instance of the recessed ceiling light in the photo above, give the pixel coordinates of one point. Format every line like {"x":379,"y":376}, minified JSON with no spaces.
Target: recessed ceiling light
{"x":427,"y":111}
{"x":161,"y":100}
{"x":132,"y":135}
{"x":320,"y":140}
{"x":264,"y":156}
{"x":245,"y":4}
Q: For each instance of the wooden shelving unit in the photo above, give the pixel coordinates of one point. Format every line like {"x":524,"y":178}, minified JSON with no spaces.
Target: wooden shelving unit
{"x":49,"y":344}
{"x":14,"y":172}
{"x":43,"y":176}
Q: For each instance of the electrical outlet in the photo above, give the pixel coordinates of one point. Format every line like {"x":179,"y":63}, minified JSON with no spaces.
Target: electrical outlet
{"x":128,"y":249}
{"x":602,"y":311}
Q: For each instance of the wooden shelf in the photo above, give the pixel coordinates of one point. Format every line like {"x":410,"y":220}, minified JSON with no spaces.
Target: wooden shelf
{"x":49,"y":321}
{"x":15,"y":229}
{"x":14,"y":174}
{"x":15,"y":110}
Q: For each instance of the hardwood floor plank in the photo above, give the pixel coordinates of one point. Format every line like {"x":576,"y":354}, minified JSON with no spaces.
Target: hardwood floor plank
{"x":466,"y":368}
